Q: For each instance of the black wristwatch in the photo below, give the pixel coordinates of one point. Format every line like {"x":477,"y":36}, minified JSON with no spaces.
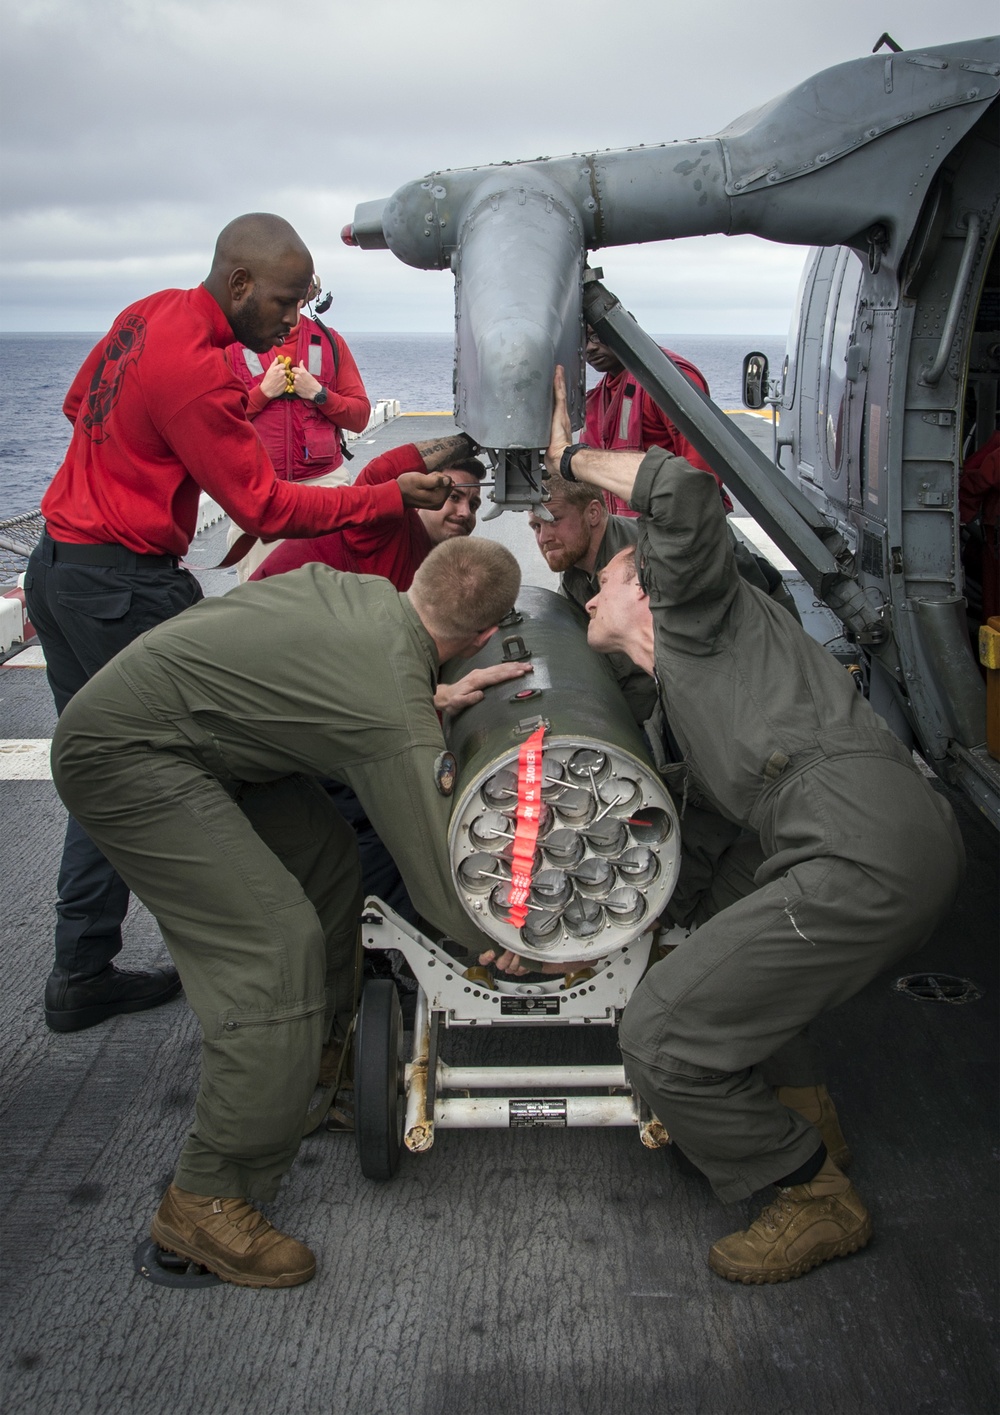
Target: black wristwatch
{"x":565,"y":467}
{"x":319,"y":398}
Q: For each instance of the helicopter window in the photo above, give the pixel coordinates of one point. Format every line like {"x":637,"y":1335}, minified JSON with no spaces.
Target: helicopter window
{"x":790,"y":365}
{"x":837,"y":339}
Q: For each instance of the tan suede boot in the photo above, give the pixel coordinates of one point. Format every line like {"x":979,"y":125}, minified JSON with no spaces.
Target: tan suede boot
{"x":230,"y":1238}
{"x":330,"y":1068}
{"x":804,"y":1226}
{"x":815,"y":1103}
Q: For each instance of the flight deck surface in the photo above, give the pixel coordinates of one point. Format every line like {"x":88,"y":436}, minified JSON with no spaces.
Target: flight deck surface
{"x":553,"y":1271}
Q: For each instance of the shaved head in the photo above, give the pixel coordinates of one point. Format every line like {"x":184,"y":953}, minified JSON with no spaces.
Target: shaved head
{"x":260,"y":276}
{"x":257,"y":240}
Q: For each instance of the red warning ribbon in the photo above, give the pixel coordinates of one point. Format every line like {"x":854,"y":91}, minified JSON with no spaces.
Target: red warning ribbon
{"x":529,"y":808}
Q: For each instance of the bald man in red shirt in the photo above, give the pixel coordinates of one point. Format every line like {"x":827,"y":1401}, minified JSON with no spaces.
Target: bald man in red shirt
{"x":158,"y":417}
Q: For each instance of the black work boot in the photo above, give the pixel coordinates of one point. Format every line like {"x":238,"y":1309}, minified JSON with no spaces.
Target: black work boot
{"x":77,"y":1000}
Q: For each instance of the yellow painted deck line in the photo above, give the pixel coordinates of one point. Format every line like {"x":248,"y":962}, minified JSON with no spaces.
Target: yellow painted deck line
{"x":729,"y":412}
{"x":26,"y":759}
{"x":749,"y":413}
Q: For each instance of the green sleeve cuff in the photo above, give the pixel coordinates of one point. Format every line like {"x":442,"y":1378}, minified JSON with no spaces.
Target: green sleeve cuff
{"x":642,"y":491}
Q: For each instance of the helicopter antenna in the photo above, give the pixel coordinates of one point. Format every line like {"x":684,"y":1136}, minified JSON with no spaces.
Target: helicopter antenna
{"x":885,"y":39}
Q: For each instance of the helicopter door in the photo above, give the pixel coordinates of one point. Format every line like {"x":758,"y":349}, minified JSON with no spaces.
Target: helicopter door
{"x":840,"y":397}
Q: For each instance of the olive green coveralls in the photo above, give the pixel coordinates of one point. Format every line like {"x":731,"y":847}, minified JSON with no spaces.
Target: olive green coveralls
{"x":189,"y":759}
{"x":861,"y":856}
{"x":718,"y":857}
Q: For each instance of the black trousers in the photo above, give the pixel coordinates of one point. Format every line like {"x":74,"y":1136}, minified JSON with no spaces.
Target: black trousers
{"x":84,"y":614}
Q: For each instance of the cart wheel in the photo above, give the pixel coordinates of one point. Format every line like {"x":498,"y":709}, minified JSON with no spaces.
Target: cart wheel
{"x":379,"y":1095}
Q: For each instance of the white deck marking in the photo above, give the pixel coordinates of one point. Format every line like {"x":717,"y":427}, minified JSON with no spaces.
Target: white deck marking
{"x":748,"y":529}
{"x":28,"y":658}
{"x":25,"y":759}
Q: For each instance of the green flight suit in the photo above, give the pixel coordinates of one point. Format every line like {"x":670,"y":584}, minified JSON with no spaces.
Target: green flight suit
{"x":621,"y":533}
{"x":189,"y":760}
{"x":861,"y":855}
{"x":719,"y":858}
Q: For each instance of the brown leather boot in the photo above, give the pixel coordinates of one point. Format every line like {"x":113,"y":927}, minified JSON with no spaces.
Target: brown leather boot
{"x":804,"y":1226}
{"x":230,"y":1238}
{"x":815,"y":1103}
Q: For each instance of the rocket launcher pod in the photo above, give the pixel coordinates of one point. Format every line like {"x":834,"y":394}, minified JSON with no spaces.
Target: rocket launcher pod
{"x":564,"y":842}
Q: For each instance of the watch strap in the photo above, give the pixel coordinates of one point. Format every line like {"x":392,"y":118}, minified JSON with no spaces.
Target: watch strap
{"x":566,"y":460}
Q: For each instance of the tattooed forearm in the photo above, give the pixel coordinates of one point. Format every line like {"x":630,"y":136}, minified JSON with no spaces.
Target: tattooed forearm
{"x":442,"y":451}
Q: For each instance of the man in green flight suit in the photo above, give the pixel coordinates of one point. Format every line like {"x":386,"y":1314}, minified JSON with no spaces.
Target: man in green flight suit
{"x":719,"y":856}
{"x":189,"y":760}
{"x":861,"y":856}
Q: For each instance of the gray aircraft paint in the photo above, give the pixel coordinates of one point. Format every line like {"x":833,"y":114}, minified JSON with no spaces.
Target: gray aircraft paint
{"x":886,"y":164}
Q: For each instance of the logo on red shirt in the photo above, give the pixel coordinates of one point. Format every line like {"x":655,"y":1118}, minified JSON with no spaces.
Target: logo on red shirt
{"x":123,"y":347}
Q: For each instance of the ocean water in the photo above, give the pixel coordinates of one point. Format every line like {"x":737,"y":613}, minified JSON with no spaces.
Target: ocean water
{"x":37,"y":369}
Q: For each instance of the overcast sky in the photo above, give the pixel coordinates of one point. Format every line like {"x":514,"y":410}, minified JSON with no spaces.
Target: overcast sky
{"x":135,"y":129}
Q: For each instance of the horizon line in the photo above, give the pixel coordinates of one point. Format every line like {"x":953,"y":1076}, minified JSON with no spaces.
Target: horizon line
{"x":441,"y":333}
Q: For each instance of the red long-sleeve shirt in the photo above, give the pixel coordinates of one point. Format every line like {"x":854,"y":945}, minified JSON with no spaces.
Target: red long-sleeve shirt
{"x":620,"y":413}
{"x":979,"y":484}
{"x":158,"y":417}
{"x":392,"y":544}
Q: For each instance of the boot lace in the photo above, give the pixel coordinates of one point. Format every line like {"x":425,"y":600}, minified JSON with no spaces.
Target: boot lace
{"x":771,"y":1219}
{"x":242,"y":1216}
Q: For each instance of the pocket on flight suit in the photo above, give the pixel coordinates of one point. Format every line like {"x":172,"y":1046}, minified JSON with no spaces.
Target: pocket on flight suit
{"x":272,"y":1058}
{"x":676,"y":778}
{"x":234,"y":1020}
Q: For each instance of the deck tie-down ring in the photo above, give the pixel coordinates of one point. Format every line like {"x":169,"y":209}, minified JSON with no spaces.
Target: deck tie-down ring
{"x":165,"y":1269}
{"x":938,"y":987}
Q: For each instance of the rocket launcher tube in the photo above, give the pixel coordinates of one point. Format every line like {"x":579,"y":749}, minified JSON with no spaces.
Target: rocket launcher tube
{"x":606,"y":822}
